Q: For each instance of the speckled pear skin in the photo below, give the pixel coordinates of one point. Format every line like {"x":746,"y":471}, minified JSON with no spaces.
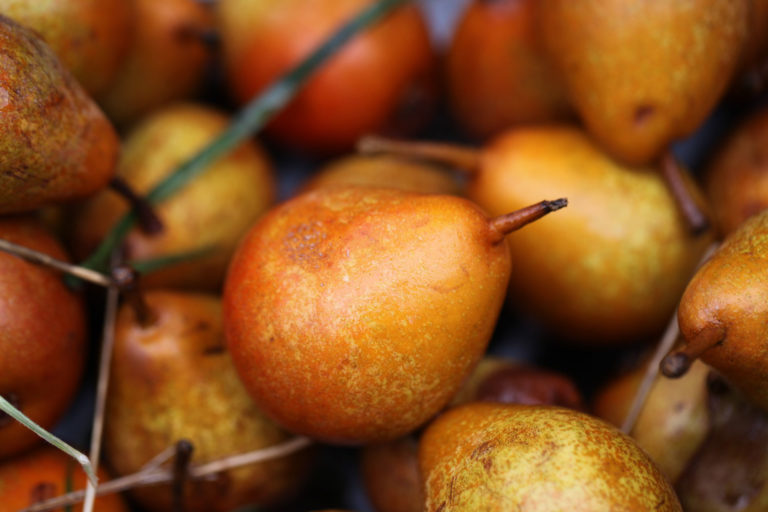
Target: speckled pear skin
{"x":617,"y":259}
{"x":354,"y":314}
{"x":173,"y":379}
{"x":485,"y":457}
{"x":55,"y":143}
{"x":724,"y":310}
{"x":644,"y":74}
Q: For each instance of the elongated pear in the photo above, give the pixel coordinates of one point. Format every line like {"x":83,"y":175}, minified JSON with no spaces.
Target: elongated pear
{"x":55,"y":143}
{"x":354,"y":314}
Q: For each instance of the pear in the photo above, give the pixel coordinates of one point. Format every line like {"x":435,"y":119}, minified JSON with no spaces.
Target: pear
{"x":723,"y":314}
{"x":90,"y":37}
{"x":624,"y":252}
{"x":42,"y":336}
{"x":497,"y":74}
{"x":354,"y":314}
{"x":385,"y":171}
{"x":644,"y":74}
{"x":381,"y":82}
{"x":674,"y":420}
{"x":484,"y":456}
{"x":391,"y":475}
{"x":55,"y":143}
{"x":47,"y":473}
{"x":208,"y":214}
{"x":171,"y":379}
{"x":736,"y":180}
{"x":165,"y":62}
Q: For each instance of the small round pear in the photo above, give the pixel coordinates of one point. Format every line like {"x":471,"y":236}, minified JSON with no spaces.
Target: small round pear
{"x":484,"y":456}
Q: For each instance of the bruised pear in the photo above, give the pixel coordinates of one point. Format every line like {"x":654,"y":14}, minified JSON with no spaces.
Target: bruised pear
{"x":55,"y":143}
{"x":723,"y":314}
{"x":172,"y":378}
{"x":484,"y":456}
{"x":644,"y":74}
{"x":354,"y":314}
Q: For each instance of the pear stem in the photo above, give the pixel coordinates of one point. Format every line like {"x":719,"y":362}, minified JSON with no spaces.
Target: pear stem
{"x":248,"y":121}
{"x":184,"y":449}
{"x":505,"y":224}
{"x":462,"y":158}
{"x":148,"y":220}
{"x":208,"y":37}
{"x":676,"y":363}
{"x":151,"y":474}
{"x":129,"y":282}
{"x":40,"y":258}
{"x":673,"y":175}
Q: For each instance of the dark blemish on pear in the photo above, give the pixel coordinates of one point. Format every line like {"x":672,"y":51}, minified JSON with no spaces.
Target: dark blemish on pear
{"x":42,"y":492}
{"x":643,"y":114}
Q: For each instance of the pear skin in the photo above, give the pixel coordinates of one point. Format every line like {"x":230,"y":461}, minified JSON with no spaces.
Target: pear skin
{"x":165,"y":62}
{"x":644,"y":74}
{"x":617,"y":259}
{"x":172,"y":378}
{"x":354,"y":314}
{"x":211,"y":212}
{"x":674,"y":421}
{"x":90,"y":37}
{"x":498,"y":457}
{"x":736,"y":180}
{"x":55,"y":143}
{"x":47,"y":473}
{"x":385,"y":171}
{"x":42,"y":335}
{"x":723,"y":314}
{"x":497,"y":74}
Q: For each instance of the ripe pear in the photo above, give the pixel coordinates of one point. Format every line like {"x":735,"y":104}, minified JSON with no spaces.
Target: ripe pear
{"x":383,"y":81}
{"x":42,"y":335}
{"x":55,"y":143}
{"x":172,"y":378}
{"x":47,"y":473}
{"x":484,"y":456}
{"x":674,"y":420}
{"x":723,"y":314}
{"x":644,"y":74}
{"x":354,"y":314}
{"x":210,"y":213}
{"x":736,"y":180}
{"x":497,"y":73}
{"x":385,"y":171}
{"x":90,"y":37}
{"x":165,"y":63}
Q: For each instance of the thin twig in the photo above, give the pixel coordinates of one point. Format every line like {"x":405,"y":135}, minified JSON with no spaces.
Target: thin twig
{"x":40,"y":258}
{"x":652,"y":370}
{"x":107,"y":344}
{"x":151,"y":474}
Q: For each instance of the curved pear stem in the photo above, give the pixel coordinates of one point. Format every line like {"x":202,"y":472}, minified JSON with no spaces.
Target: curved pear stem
{"x":184,"y":449}
{"x":503,"y":225}
{"x":127,"y":280}
{"x":463,"y":158}
{"x":148,"y":220}
{"x":676,"y":363}
{"x":673,"y":175}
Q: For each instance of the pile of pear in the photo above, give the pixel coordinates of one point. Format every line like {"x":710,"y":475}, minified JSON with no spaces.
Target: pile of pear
{"x":358,"y":310}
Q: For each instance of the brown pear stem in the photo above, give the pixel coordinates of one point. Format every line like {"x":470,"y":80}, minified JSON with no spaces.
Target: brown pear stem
{"x":40,"y":258}
{"x":128,"y":281}
{"x":152,"y":475}
{"x":184,"y":449}
{"x":676,"y":363}
{"x":503,"y":225}
{"x":208,"y":37}
{"x":673,"y":175}
{"x":463,"y":158}
{"x":148,"y":220}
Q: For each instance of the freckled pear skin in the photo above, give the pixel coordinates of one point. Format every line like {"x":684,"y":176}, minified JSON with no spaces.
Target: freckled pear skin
{"x":617,"y":259}
{"x":354,"y":314}
{"x":55,"y":143}
{"x":495,"y":457}
{"x":723,"y":314}
{"x":644,"y":74}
